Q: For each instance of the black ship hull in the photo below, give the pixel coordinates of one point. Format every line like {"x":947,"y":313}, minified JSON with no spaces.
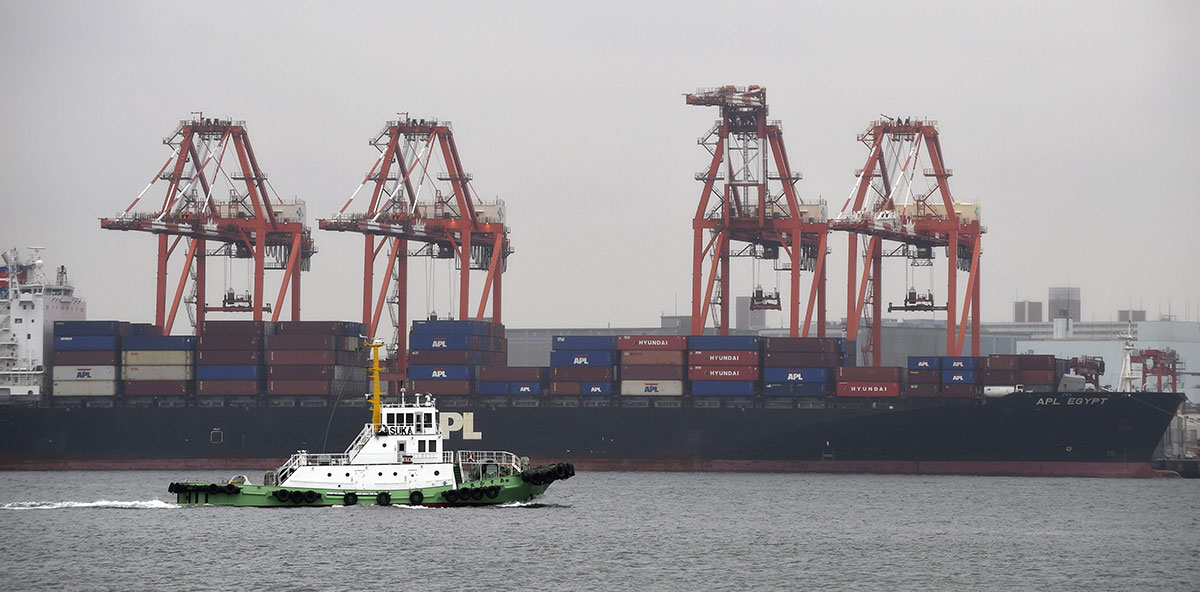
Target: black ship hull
{"x":1089,"y":433}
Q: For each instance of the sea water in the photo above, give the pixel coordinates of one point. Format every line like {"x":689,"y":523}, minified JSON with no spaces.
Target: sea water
{"x":119,"y":530}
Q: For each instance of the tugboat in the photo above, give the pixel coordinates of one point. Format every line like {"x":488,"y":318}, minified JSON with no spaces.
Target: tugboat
{"x":397,"y":458}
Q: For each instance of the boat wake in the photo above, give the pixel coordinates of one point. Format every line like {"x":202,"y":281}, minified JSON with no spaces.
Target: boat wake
{"x":120,"y":505}
{"x":531,"y":504}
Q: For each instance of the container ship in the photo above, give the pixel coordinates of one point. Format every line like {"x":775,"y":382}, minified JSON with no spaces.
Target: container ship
{"x":242,"y":394}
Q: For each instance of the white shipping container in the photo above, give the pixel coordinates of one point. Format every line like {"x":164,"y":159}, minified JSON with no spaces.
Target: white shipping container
{"x":85,"y":373}
{"x":85,"y":388}
{"x":652,"y":387}
{"x":159,"y":372}
{"x":150,"y":357}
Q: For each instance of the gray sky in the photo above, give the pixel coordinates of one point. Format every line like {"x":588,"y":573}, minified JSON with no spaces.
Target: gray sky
{"x":1073,"y":124}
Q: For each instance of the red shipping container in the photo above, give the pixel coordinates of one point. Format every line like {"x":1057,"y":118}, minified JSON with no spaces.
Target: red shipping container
{"x":213,"y":342}
{"x":512,"y":373}
{"x":651,"y":372}
{"x":869,"y":373}
{"x":582,"y":373}
{"x":440,"y":387}
{"x":312,"y":342}
{"x":652,"y":342}
{"x":304,"y":357}
{"x":924,"y":377}
{"x":1001,"y":362}
{"x":237,"y":328}
{"x":155,"y":388}
{"x":723,"y":358}
{"x":229,"y":357}
{"x":564,"y":388}
{"x":1037,"y":377}
{"x":298,"y":387}
{"x":311,"y":327}
{"x":959,"y":391}
{"x":868,"y":389}
{"x":800,"y":345}
{"x":924,"y":389}
{"x":86,"y":358}
{"x":652,"y":358}
{"x":800,"y":360}
{"x":1036,"y":362}
{"x":207,"y":388}
{"x":299,"y":372}
{"x":1000,"y":377}
{"x":723,"y":372}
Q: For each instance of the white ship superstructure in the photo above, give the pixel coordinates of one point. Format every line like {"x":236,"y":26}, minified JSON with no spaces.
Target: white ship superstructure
{"x":29,"y":305}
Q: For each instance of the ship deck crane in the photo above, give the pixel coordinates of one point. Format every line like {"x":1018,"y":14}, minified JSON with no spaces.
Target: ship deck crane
{"x":208,"y":201}
{"x":749,"y":196}
{"x":919,"y":223}
{"x":454,"y":224}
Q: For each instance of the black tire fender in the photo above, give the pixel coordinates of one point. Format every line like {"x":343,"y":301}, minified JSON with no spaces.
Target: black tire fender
{"x":282,"y":495}
{"x":349,"y":498}
{"x":415,"y":498}
{"x":492,"y":491}
{"x":311,"y":496}
{"x":383,"y":498}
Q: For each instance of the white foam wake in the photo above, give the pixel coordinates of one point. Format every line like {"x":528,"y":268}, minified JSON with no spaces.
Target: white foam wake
{"x":123,"y":505}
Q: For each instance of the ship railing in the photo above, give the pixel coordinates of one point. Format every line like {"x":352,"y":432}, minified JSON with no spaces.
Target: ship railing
{"x":363,"y":437}
{"x":481,"y":464}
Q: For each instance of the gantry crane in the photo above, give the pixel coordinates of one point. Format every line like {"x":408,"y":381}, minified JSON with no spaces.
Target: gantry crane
{"x":450,"y":224}
{"x":205,"y":201}
{"x":885,"y":205}
{"x":746,"y":208}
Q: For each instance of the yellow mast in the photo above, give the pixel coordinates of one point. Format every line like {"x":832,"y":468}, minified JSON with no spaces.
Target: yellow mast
{"x":376,"y":393}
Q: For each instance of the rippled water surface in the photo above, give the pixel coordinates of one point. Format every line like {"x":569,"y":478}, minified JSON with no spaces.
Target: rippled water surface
{"x":116,"y":530}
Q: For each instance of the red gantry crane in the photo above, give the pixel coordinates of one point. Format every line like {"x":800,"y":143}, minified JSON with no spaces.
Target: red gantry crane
{"x":886,"y":205}
{"x":450,"y":223}
{"x":208,"y":201}
{"x":740,"y":203}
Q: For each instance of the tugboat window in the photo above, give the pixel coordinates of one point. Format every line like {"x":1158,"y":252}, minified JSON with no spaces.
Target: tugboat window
{"x":433,"y":445}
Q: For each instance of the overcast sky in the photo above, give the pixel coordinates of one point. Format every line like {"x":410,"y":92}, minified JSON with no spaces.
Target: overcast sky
{"x":1073,"y":124}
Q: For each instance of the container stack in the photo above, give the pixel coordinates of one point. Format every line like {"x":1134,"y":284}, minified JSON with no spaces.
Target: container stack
{"x":445,"y":356}
{"x":87,"y":359}
{"x":650,"y":365}
{"x":1038,"y":373}
{"x":158,"y":366}
{"x":579,"y":359}
{"x":1001,"y":370}
{"x":723,"y":365}
{"x":800,"y":366}
{"x":499,"y":381}
{"x":315,"y":363}
{"x":868,"y":381}
{"x":924,"y":376}
{"x":229,"y":358}
{"x":960,"y":377}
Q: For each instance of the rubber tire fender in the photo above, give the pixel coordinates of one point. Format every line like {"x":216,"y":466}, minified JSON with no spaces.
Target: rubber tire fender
{"x":311,"y":496}
{"x":282,"y":495}
{"x":296,"y":496}
{"x":383,"y":498}
{"x":477,"y":493}
{"x":171,"y":487}
{"x":535,"y":478}
{"x":415,"y":498}
{"x":464,"y":494}
{"x":349,"y":498}
{"x":450,"y":495}
{"x":213,"y":488}
{"x":492,"y":491}
{"x":570,"y":470}
{"x":231,"y":489}
{"x":560,"y":471}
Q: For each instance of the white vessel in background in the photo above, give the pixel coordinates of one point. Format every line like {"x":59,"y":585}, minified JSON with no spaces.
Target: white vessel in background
{"x":29,"y":305}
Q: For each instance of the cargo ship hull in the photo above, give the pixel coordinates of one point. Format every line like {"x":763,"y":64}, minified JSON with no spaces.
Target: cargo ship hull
{"x":1060,"y":434}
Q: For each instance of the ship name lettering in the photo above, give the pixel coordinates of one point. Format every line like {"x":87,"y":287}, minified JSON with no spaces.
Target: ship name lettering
{"x":1087,"y":400}
{"x":460,"y":422}
{"x":1048,"y":401}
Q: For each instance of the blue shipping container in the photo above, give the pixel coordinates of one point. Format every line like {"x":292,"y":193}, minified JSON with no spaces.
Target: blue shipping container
{"x":90,"y":328}
{"x":960,"y":363}
{"x":491,"y":387}
{"x":795,"y":389}
{"x":448,"y":327}
{"x":228,"y":372}
{"x":583,"y":358}
{"x":443,"y":341}
{"x":441,"y":372}
{"x":159,"y":342}
{"x":723,"y":388}
{"x":821,"y":375}
{"x":725,"y":342}
{"x":958,"y":377}
{"x":86,"y":342}
{"x":525,"y":388}
{"x":584,"y":342}
{"x":924,"y":363}
{"x":596,"y":388}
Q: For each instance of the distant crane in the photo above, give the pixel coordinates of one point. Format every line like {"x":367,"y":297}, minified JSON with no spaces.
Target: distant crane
{"x":885,"y":204}
{"x":452,"y":223}
{"x":204,"y":202}
{"x":740,"y":203}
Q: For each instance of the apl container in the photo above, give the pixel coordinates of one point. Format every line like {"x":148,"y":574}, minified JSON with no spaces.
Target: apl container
{"x":86,"y":373}
{"x":822,"y":375}
{"x":958,"y":377}
{"x":960,"y":363}
{"x":723,"y":388}
{"x":924,"y":363}
{"x":652,"y":387}
{"x":526,"y":388}
{"x":583,"y":342}
{"x":596,"y":388}
{"x":441,"y":372}
{"x":582,"y":358}
{"x":443,"y":341}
